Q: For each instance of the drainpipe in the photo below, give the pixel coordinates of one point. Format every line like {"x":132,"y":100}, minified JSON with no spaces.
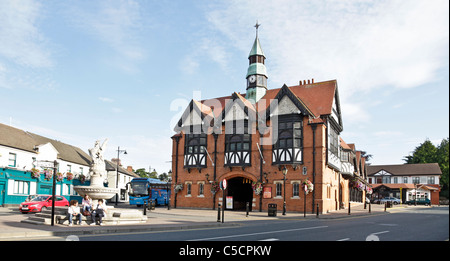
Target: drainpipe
{"x":261,"y":176}
{"x":215,"y":135}
{"x":177,"y":140}
{"x":314,"y":127}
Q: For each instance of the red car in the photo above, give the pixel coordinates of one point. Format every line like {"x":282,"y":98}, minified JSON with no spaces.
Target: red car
{"x":42,"y":202}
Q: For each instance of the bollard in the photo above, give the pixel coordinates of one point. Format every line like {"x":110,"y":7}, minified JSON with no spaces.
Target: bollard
{"x":218,"y":213}
{"x":145,"y":208}
{"x":370,"y":208}
{"x":349,"y":207}
{"x":246,"y":208}
{"x":385,"y":205}
{"x":317,"y":215}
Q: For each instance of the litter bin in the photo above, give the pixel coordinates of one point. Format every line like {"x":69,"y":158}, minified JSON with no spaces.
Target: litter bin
{"x":272,"y":210}
{"x":389,"y":204}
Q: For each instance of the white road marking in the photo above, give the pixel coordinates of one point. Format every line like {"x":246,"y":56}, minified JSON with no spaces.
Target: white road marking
{"x":382,"y":232}
{"x":260,"y":233}
{"x":270,"y":239}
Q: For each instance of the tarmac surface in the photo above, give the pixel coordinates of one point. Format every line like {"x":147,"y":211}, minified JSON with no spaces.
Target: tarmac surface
{"x":162,"y":219}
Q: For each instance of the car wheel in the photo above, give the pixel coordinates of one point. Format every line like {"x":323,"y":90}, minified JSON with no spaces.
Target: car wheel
{"x":43,"y":209}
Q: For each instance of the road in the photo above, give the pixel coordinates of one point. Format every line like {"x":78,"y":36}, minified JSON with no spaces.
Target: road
{"x":422,"y":224}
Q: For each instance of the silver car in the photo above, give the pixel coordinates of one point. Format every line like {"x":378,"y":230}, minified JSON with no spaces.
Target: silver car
{"x":393,"y":200}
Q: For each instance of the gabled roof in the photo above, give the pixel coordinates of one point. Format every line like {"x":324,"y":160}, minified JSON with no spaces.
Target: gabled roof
{"x":16,"y":138}
{"x":65,"y":151}
{"x":245,"y":105}
{"x":406,"y":169}
{"x":314,"y":99}
{"x":196,"y":107}
{"x":111,"y":166}
{"x":27,"y":141}
{"x":286,"y":91}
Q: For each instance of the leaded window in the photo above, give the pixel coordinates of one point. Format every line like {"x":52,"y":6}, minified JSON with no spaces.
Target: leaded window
{"x":289,"y":144}
{"x":195,"y":151}
{"x":238,"y":145}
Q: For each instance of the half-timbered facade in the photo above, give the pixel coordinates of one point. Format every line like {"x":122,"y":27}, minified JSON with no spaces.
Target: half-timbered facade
{"x":266,"y":143}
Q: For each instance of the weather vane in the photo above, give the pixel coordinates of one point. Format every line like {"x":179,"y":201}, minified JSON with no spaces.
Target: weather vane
{"x":256,"y":26}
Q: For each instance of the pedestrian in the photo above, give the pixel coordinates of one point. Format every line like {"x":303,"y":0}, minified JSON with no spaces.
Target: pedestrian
{"x":99,"y":211}
{"x":86,"y":203}
{"x":74,"y":210}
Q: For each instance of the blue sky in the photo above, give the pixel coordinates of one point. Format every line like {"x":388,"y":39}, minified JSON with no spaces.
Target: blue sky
{"x":78,"y":71}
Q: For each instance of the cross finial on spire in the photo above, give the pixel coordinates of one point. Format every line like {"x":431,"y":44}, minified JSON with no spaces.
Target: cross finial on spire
{"x":256,"y":26}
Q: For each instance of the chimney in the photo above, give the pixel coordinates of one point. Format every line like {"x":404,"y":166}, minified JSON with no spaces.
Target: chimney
{"x":130,"y":168}
{"x":312,"y":81}
{"x":114,"y":160}
{"x":309,"y":82}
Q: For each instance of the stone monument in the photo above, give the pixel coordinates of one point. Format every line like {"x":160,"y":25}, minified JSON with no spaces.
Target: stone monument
{"x":97,"y":171}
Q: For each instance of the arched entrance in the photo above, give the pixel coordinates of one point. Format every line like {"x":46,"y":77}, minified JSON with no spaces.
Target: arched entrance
{"x":241,"y":190}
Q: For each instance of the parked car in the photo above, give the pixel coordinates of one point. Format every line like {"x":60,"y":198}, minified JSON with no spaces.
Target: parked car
{"x":419,"y":201}
{"x":42,"y":202}
{"x":393,"y":200}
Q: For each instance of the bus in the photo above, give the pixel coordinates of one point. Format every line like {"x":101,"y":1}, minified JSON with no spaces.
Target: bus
{"x":141,"y":188}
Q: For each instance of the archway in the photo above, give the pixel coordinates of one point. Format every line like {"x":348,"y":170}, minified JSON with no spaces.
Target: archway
{"x":241,"y":190}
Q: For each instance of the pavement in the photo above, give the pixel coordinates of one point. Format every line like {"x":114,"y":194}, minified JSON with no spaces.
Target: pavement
{"x":162,"y":219}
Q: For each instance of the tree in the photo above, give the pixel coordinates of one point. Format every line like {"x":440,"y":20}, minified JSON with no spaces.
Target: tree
{"x":144,"y":174}
{"x":428,"y":153}
{"x":443,"y":160}
{"x":424,"y":153}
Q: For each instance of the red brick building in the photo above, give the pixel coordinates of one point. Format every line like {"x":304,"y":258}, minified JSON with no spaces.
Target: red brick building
{"x":252,"y":139}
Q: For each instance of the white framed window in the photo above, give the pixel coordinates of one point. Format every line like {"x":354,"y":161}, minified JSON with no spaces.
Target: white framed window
{"x":295,"y":189}
{"x":278,"y":189}
{"x":12,"y":160}
{"x":188,"y":188}
{"x":201,"y":188}
{"x":21,"y":187}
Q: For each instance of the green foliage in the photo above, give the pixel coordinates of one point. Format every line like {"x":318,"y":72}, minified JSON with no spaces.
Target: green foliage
{"x":428,"y":153}
{"x":144,"y":174}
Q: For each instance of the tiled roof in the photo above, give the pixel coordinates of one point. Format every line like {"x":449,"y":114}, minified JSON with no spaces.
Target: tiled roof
{"x":316,"y":97}
{"x":406,"y":169}
{"x":23,"y":140}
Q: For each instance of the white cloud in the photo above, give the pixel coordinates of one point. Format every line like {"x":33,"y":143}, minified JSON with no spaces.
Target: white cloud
{"x":21,"y":41}
{"x":205,"y":48}
{"x":118,"y":24}
{"x":106,"y":99}
{"x":365,"y":45}
{"x":25,"y":53}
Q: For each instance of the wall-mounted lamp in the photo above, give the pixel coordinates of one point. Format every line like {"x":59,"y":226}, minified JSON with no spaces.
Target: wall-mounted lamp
{"x":265,"y":177}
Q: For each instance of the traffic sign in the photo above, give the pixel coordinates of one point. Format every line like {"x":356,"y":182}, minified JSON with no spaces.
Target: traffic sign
{"x":224,"y":184}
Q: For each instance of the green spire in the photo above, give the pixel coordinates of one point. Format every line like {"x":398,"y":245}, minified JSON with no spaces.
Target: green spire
{"x":256,"y":49}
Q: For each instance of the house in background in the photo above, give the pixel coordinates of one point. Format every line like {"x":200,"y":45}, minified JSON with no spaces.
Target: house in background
{"x":406,"y":181}
{"x":22,"y":151}
{"x":121,"y":178}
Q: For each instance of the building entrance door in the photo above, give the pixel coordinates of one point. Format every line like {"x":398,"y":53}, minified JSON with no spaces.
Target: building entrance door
{"x":241,"y":190}
{"x":2,"y":193}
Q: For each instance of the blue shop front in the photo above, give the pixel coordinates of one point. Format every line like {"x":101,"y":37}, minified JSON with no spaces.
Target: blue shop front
{"x":16,"y":186}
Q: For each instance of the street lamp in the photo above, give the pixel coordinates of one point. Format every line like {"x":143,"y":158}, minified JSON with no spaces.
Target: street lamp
{"x":117,"y":171}
{"x":284,"y":190}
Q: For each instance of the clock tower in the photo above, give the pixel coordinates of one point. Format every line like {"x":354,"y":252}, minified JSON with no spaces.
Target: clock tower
{"x":256,"y":73}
